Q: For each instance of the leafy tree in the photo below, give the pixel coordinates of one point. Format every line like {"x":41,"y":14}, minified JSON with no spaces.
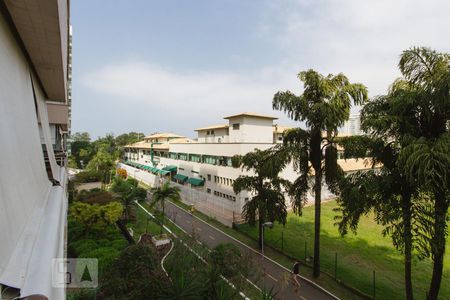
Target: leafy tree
{"x":81,"y":136}
{"x":267,"y":202}
{"x":102,"y":162}
{"x":129,"y":138}
{"x":426,"y":159}
{"x":129,"y":191}
{"x":134,"y":275}
{"x":163,"y":193}
{"x":95,"y":215}
{"x":408,"y":136}
{"x":324,"y":106}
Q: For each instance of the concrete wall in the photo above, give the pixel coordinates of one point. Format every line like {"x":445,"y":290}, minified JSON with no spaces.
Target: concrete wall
{"x":251,"y":130}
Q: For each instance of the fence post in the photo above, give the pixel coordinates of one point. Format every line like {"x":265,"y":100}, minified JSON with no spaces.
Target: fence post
{"x":335,"y":266}
{"x":373,"y":284}
{"x":305,"y":252}
{"x":282,"y":242}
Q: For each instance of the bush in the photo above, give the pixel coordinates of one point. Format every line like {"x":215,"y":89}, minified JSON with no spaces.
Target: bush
{"x":95,"y":196}
{"x":227,"y":259}
{"x":121,"y":173}
{"x":88,"y":176}
{"x":134,"y":275}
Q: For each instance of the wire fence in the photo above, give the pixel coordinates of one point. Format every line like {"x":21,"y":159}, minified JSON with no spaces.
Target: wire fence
{"x":330,"y":268}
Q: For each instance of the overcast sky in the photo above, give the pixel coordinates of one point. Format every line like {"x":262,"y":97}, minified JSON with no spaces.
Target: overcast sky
{"x":178,"y":65}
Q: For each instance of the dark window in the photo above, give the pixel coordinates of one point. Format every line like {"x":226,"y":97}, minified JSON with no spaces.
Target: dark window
{"x":236,"y":126}
{"x":208,"y":191}
{"x":209,"y":177}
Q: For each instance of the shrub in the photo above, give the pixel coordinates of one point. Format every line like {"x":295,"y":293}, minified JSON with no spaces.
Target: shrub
{"x":134,"y":275}
{"x":227,"y":258}
{"x":122,"y":173}
{"x":87,"y":176}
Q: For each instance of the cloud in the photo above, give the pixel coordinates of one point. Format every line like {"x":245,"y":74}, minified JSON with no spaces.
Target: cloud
{"x":188,"y":96}
{"x":362,"y":39}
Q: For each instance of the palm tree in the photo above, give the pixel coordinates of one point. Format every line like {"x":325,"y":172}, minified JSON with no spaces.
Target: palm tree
{"x":324,"y":106}
{"x":426,"y":159}
{"x":267,"y":202}
{"x":163,"y":193}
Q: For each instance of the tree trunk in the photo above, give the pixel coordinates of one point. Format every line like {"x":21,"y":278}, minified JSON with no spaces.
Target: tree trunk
{"x":438,"y":246}
{"x":125,"y":232}
{"x":407,"y":236}
{"x":317,"y":208}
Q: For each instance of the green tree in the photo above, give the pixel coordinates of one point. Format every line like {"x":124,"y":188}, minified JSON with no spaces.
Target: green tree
{"x":102,"y":162}
{"x":129,"y":138}
{"x":95,"y":215}
{"x":134,"y":275}
{"x":267,"y":201}
{"x":324,"y":106}
{"x":81,"y":136}
{"x":426,"y":160}
{"x":129,"y":192}
{"x":163,"y":193}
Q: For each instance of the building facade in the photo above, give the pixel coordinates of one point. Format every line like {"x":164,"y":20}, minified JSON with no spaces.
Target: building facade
{"x":202,"y":167}
{"x":34,"y":121}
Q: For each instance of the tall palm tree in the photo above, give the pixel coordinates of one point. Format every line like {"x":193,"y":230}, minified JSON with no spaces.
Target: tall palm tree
{"x":163,"y":193}
{"x":324,"y":106}
{"x":426,"y":159}
{"x":267,"y":202}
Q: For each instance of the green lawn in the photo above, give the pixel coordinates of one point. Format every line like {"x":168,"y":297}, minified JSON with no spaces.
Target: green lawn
{"x":358,"y":255}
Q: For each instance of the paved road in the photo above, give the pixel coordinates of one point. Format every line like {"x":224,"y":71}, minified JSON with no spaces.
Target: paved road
{"x":274,"y":274}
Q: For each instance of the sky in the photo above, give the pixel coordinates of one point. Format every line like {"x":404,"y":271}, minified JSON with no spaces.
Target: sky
{"x":175,"y":66}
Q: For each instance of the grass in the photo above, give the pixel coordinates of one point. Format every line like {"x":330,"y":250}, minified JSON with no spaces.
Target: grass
{"x":357,"y":255}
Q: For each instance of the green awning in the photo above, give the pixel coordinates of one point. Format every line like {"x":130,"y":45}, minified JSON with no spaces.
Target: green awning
{"x":170,"y":168}
{"x":163,"y":172}
{"x":180,"y":177}
{"x":195,"y":181}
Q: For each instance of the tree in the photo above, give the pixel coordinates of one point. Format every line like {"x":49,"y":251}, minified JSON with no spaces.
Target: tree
{"x":96,"y":216}
{"x":163,"y":193}
{"x":129,"y":138}
{"x":102,"y":162}
{"x":135,"y":274}
{"x":129,"y":192}
{"x":81,"y":136}
{"x":267,"y":201}
{"x":324,"y":106}
{"x":426,"y":159}
{"x":408,"y":136}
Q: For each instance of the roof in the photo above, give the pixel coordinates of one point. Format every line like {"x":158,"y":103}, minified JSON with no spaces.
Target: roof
{"x":250,"y":114}
{"x":280,"y":128}
{"x":212,"y":127}
{"x":162,"y":146}
{"x":164,"y":135}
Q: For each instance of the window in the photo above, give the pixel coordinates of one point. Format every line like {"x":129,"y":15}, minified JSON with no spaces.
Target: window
{"x":236,"y":126}
{"x":208,"y":191}
{"x":207,"y":132}
{"x":209,"y":177}
{"x":212,"y":132}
